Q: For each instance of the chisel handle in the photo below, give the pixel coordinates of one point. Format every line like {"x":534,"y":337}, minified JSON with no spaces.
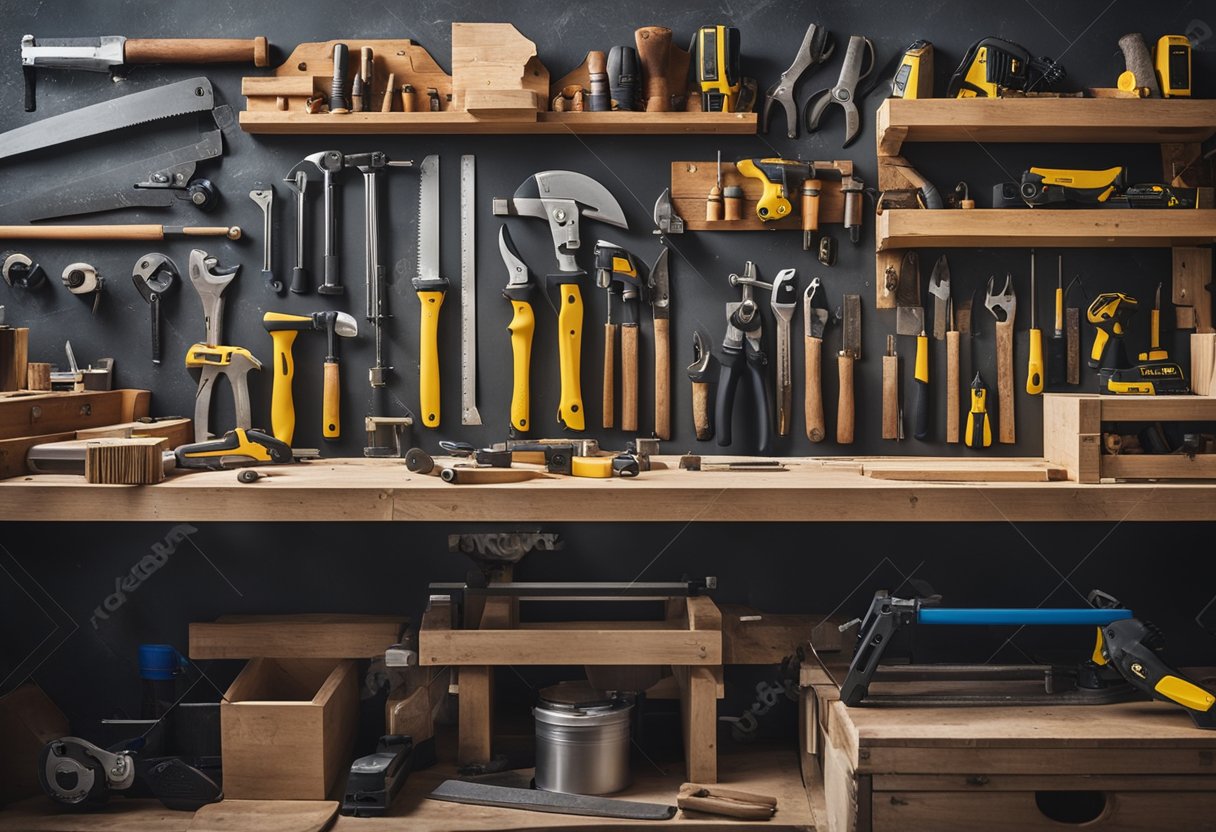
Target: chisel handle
{"x":569,"y":356}
{"x":331,"y":420}
{"x":920,"y":389}
{"x":662,"y":379}
{"x":890,"y":397}
{"x":428,"y":357}
{"x":609,"y":399}
{"x":1004,"y":381}
{"x":196,"y":51}
{"x":844,"y":406}
{"x":629,"y":377}
{"x":816,"y":430}
{"x":953,"y":378}
{"x":1034,"y":366}
{"x":700,"y":411}
{"x":282,"y":405}
{"x":523,"y":324}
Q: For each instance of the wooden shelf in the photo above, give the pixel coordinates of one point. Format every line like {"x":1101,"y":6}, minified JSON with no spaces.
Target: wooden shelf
{"x":274,"y":122}
{"x":1044,"y":228}
{"x":1098,"y":120}
{"x":837,"y":488}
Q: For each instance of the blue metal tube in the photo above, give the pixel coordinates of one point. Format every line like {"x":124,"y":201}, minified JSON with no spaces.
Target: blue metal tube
{"x":1013,"y":616}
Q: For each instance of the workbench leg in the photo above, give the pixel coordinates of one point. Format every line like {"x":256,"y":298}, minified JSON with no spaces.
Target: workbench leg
{"x":476,"y":703}
{"x":699,"y":710}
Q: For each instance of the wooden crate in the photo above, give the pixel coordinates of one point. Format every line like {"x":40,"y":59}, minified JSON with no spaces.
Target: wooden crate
{"x":286,"y":728}
{"x":1072,"y":436}
{"x":1025,"y":768}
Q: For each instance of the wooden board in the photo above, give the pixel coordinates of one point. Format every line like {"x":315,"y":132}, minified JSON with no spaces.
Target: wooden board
{"x":1191,"y":275}
{"x":179,"y":431}
{"x":1103,"y":120}
{"x":306,"y":636}
{"x":491,"y":60}
{"x":1203,"y":363}
{"x":43,"y":413}
{"x":265,"y":816}
{"x":691,"y":181}
{"x":752,"y":637}
{"x":13,"y":451}
{"x":273,"y":122}
{"x":1045,"y":228}
{"x":1159,"y":466}
{"x":965,"y":470}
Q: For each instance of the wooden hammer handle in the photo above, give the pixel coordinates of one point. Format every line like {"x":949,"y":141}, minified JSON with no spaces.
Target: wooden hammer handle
{"x":654,"y":48}
{"x":953,"y":381}
{"x":629,"y":377}
{"x":844,"y":407}
{"x":196,"y":51}
{"x":662,"y":379}
{"x":815,"y":427}
{"x":610,"y":375}
{"x":1004,"y":381}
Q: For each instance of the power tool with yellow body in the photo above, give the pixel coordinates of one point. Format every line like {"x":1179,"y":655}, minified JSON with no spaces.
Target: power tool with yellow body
{"x":1106,"y":188}
{"x":1154,"y":374}
{"x":994,"y":67}
{"x":715,"y":71}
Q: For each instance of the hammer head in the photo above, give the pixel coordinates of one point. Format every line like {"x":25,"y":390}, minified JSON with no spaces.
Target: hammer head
{"x":337,"y":323}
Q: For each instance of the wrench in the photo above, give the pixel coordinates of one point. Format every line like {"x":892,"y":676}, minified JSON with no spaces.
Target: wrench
{"x":329,"y":162}
{"x":210,"y":282}
{"x":154,"y":274}
{"x":263,"y":195}
{"x":298,"y":182}
{"x":784,"y":303}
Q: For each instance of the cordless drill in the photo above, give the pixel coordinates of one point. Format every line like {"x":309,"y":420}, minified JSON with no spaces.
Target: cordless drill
{"x":1110,"y":313}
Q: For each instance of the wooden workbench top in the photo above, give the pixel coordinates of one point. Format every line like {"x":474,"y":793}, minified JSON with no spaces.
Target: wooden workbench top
{"x":814,"y":489}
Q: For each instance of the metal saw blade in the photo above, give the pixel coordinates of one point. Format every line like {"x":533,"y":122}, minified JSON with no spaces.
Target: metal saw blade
{"x":909,"y":314}
{"x":428,"y":220}
{"x":191,"y":96}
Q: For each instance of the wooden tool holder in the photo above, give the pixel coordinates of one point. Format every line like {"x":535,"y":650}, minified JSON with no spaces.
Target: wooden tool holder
{"x":688,"y":640}
{"x":691,"y":181}
{"x":497,"y":85}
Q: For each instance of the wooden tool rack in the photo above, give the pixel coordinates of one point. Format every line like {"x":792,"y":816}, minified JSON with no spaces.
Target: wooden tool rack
{"x":688,"y":640}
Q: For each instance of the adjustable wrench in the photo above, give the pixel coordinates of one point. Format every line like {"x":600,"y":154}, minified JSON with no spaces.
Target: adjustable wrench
{"x":263,"y":195}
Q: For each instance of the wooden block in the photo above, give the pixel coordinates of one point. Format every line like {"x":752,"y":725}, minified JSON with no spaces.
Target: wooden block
{"x":476,"y":705}
{"x":699,"y":711}
{"x":558,"y":645}
{"x":505,"y":104}
{"x":305,"y":636}
{"x":286,"y":728}
{"x":753,"y":637}
{"x":1191,"y":275}
{"x":38,"y":376}
{"x":28,"y":720}
{"x":496,"y":58}
{"x":1203,"y":363}
{"x":129,"y":461}
{"x":265,"y":816}
{"x":44,"y":413}
{"x":691,"y":181}
{"x":14,"y":357}
{"x":179,"y":431}
{"x":965,"y":470}
{"x":1072,"y":426}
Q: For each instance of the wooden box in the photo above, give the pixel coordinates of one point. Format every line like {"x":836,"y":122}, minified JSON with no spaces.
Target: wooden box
{"x":287,"y":727}
{"x":1072,"y":436}
{"x":955,"y":769}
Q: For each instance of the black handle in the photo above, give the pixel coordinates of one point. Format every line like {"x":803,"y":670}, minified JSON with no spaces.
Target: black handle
{"x":155,"y":303}
{"x":623,"y":76}
{"x":31,"y":86}
{"x":276,"y":286}
{"x":331,"y":286}
{"x":299,"y":281}
{"x":337,"y":88}
{"x":724,"y":404}
{"x":920,"y":409}
{"x":762,"y":402}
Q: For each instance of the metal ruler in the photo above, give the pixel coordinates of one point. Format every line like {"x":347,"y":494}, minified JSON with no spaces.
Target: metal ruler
{"x":468,"y":293}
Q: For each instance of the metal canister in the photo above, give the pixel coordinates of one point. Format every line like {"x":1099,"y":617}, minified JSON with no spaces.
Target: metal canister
{"x":582,"y":747}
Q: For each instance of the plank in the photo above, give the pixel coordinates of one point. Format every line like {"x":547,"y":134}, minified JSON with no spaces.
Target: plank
{"x":276,"y":122}
{"x":691,"y":181}
{"x":13,"y":451}
{"x":567,"y":646}
{"x":265,"y":816}
{"x":44,"y":413}
{"x":1033,"y":782}
{"x":1203,"y":363}
{"x":1157,"y":408}
{"x":1023,"y":228}
{"x":1035,"y":120}
{"x":1013,"y":470}
{"x":1158,"y":466}
{"x":179,"y":431}
{"x":699,"y":713}
{"x":476,"y":704}
{"x":307,"y":636}
{"x":495,"y":58}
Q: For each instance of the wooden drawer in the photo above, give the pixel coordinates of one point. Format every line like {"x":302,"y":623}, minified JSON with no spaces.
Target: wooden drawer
{"x":1029,"y":811}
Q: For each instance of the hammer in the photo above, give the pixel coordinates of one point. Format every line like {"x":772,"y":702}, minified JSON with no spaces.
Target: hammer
{"x":283,"y":329}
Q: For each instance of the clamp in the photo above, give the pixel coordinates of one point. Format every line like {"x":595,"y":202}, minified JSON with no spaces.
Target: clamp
{"x":742,"y":348}
{"x":810,"y":54}
{"x":844,"y":93}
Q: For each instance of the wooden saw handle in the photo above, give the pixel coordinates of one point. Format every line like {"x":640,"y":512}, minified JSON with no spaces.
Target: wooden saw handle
{"x":196,"y":51}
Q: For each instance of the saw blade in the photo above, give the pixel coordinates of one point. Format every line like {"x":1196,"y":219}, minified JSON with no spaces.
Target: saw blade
{"x":191,"y":96}
{"x":428,"y":220}
{"x":909,"y":314}
{"x":468,"y":292}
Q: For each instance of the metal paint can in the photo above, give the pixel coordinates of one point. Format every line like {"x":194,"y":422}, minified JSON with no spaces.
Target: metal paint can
{"x":582,"y":746}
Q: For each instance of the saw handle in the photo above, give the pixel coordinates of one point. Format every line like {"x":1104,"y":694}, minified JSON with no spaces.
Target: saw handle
{"x":523,"y":324}
{"x":662,"y":379}
{"x":331,"y":424}
{"x":844,"y":406}
{"x":196,"y":51}
{"x":282,"y":404}
{"x":569,"y":354}
{"x":428,"y":356}
{"x":815,"y":428}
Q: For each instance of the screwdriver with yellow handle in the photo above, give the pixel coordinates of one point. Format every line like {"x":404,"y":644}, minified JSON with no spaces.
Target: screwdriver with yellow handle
{"x":283,"y":328}
{"x":1034,"y":369}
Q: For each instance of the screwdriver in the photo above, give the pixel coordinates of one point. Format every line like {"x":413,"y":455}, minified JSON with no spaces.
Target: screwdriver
{"x":1057,"y":354}
{"x":979,"y":427}
{"x":713,"y":202}
{"x":1034,"y":370}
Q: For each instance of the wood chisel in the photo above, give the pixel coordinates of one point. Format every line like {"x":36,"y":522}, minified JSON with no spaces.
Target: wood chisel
{"x":1034,"y":364}
{"x":431,"y":289}
{"x":890,"y":392}
{"x":815,"y":316}
{"x":518,"y":291}
{"x":849,"y":354}
{"x":1003,"y":306}
{"x":1057,"y":350}
{"x":468,"y":292}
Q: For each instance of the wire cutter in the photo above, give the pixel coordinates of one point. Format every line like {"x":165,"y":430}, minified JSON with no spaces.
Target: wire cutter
{"x":814,"y":50}
{"x":845,"y":92}
{"x":741,"y":351}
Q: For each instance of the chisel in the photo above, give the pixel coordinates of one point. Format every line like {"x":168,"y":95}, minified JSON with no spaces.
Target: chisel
{"x":1034,"y":367}
{"x":849,"y":354}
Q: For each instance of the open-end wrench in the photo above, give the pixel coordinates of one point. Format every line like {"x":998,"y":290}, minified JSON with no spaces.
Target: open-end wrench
{"x":154,"y":274}
{"x":263,"y":195}
{"x":297,"y":180}
{"x":1003,"y":306}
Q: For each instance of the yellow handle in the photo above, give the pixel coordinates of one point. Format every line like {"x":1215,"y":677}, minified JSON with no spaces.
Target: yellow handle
{"x":1154,"y":329}
{"x":1095,"y":353}
{"x":428,"y":357}
{"x":1185,"y":693}
{"x":569,"y":350}
{"x":282,"y":407}
{"x":1059,"y":310}
{"x":1034,"y":371}
{"x":774,"y":203}
{"x":331,"y":423}
{"x":595,"y":467}
{"x":523,"y":324}
{"x":979,"y":413}
{"x":922,"y":359}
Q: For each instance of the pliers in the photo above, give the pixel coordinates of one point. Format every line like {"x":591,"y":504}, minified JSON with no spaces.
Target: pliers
{"x":741,"y":348}
{"x":814,"y":50}
{"x":845,"y":91}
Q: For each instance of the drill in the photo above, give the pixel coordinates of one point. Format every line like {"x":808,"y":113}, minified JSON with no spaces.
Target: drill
{"x":1155,"y":374}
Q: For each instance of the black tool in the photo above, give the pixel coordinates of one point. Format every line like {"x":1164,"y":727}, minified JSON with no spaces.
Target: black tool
{"x":597,"y":100}
{"x":236,"y":448}
{"x":813,"y":51}
{"x":337,"y":88}
{"x":21,"y":271}
{"x":154,"y":274}
{"x":741,"y":352}
{"x":623,"y":76}
{"x":375,"y":779}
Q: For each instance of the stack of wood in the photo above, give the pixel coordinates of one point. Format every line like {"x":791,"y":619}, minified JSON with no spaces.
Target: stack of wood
{"x":133,"y":461}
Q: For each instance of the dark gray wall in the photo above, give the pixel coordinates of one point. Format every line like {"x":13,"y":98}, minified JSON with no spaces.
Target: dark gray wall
{"x":58,"y":575}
